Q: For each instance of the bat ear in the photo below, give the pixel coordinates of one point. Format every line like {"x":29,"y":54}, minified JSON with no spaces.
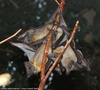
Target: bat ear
{"x":28,"y":50}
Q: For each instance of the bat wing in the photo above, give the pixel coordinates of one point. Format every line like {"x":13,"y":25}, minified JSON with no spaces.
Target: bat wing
{"x":28,"y":51}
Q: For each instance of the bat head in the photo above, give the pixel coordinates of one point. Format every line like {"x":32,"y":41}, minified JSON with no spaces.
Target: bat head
{"x":81,"y":61}
{"x":27,"y":36}
{"x":30,"y":69}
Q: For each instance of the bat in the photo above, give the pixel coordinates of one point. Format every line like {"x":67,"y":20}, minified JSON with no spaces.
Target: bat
{"x":35,"y":56}
{"x":34,"y":37}
{"x":72,"y":59}
{"x":33,"y":45}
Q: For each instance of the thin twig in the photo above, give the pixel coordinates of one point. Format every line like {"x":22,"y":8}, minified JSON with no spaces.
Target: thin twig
{"x":42,"y":82}
{"x":45,"y":56}
{"x":10,"y":37}
{"x":58,"y":58}
{"x":47,"y":47}
{"x":14,"y":4}
{"x":61,"y":53}
{"x":43,"y":66}
{"x":61,"y":5}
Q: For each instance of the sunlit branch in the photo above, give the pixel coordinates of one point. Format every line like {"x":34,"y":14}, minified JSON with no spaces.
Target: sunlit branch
{"x":61,"y":53}
{"x":43,"y":66}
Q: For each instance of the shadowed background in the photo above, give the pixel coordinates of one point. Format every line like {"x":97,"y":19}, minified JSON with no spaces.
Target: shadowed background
{"x":15,"y":14}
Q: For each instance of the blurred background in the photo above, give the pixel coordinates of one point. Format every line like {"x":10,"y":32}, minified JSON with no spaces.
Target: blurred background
{"x":25,"y":14}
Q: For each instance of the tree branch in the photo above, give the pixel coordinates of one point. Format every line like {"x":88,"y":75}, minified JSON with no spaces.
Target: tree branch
{"x":43,"y":81}
{"x":10,"y":37}
{"x":14,"y":4}
{"x":61,"y":53}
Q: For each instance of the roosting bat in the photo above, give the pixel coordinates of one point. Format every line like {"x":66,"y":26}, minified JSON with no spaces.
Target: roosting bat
{"x":34,"y":37}
{"x":72,"y":58}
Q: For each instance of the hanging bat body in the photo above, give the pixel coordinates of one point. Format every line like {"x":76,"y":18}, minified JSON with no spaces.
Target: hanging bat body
{"x":35,"y":37}
{"x":72,"y":58}
{"x":35,"y":56}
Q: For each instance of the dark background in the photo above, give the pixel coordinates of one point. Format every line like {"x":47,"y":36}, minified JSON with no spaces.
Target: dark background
{"x":15,"y":14}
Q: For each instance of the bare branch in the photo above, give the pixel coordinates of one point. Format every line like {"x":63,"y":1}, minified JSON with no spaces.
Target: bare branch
{"x":61,"y":5}
{"x":14,"y":4}
{"x":43,"y":80}
{"x":61,"y":53}
{"x":45,"y":56}
{"x":10,"y":37}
